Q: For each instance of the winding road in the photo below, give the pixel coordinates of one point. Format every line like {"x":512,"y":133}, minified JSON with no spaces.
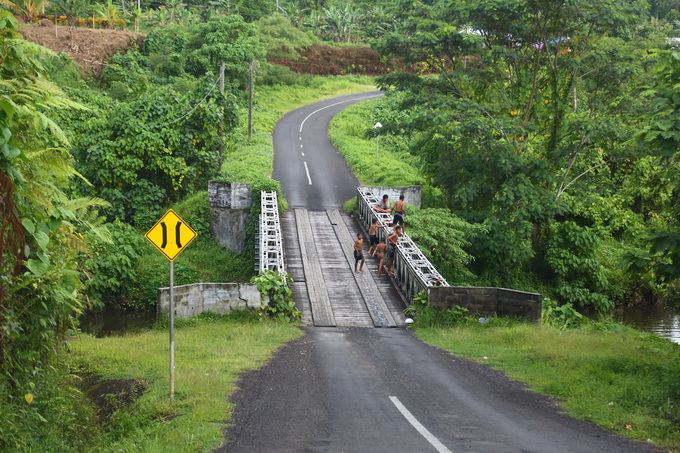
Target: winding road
{"x":381,"y":389}
{"x":312,"y":173}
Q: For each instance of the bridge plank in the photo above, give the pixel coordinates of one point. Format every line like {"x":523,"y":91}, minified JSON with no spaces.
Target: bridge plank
{"x":291,"y":246}
{"x":322,"y":312}
{"x":348,"y":305}
{"x":378,"y":310}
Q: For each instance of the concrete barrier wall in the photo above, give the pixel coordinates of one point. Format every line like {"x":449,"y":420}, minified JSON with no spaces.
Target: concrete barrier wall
{"x":487,"y":301}
{"x":222,"y":298}
{"x":411,"y":193}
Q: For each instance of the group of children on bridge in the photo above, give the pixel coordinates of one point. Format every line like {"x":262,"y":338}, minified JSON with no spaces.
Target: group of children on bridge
{"x":386,"y":247}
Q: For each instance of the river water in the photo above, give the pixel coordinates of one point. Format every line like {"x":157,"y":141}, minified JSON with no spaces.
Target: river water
{"x":661,"y":321}
{"x":116,"y":322}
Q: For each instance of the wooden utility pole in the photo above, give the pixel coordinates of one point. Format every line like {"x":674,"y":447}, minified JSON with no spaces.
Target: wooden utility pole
{"x":220,"y":129}
{"x":250,"y":100}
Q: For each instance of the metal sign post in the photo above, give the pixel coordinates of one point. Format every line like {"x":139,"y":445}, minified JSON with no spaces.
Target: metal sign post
{"x":171,"y":235}
{"x":377,"y":127}
{"x":172,"y":330}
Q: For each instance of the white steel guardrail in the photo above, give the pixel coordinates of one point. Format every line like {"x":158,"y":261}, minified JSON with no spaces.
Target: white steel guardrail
{"x":271,"y":245}
{"x":412,"y":270}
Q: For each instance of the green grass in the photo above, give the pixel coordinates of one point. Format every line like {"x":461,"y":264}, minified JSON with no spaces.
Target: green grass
{"x":624,"y":381}
{"x":394,"y":165}
{"x":210,"y":353}
{"x":251,"y":160}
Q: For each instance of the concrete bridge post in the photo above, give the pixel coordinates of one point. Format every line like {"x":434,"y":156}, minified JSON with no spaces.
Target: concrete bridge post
{"x":230,"y":205}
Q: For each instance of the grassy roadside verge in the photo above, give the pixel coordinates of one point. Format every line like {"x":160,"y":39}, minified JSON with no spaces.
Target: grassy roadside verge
{"x":210,"y":353}
{"x":625,"y":381}
{"x":394,"y":165}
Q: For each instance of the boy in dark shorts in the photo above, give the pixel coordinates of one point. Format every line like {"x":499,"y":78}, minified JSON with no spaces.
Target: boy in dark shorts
{"x":358,"y":253}
{"x":373,"y":236}
{"x":399,"y":212}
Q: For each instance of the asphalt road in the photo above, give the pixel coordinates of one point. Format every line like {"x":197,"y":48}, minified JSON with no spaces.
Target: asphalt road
{"x":383,"y":390}
{"x":312,"y":173}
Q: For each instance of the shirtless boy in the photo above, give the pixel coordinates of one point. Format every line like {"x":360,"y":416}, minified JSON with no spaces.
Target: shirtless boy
{"x":381,"y":250}
{"x":373,"y":236}
{"x":399,"y":212}
{"x":392,"y":248}
{"x":358,"y":253}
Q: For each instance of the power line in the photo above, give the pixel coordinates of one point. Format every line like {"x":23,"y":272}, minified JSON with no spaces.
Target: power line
{"x":212,"y":88}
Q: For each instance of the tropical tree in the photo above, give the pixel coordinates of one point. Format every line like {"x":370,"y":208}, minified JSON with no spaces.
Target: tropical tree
{"x":225,"y":39}
{"x":41,"y":244}
{"x":662,"y":136}
{"x":110,"y":12}
{"x":137,"y":15}
{"x":172,"y":6}
{"x":342,"y":21}
{"x":295,"y":13}
{"x":207,"y":9}
{"x":526,"y":120}
{"x":28,"y":9}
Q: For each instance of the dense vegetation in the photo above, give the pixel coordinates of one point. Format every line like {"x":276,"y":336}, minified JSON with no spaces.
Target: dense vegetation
{"x":554,"y":130}
{"x":546,"y":136}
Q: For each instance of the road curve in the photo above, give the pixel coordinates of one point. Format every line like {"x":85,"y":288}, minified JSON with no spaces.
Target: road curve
{"x":312,"y":173}
{"x":382,"y":390}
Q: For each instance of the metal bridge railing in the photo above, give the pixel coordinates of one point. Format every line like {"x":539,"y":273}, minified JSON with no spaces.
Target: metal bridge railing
{"x":412,"y":270}
{"x":271,"y":244}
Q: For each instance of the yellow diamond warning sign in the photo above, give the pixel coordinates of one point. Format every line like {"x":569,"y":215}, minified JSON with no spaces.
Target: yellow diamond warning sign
{"x":171,"y":235}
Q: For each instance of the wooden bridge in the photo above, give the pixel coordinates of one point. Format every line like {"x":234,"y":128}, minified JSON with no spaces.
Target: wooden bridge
{"x":318,"y":249}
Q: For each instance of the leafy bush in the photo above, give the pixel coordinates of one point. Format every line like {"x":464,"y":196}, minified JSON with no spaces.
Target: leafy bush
{"x":142,"y":155}
{"x":281,"y":39}
{"x":275,"y":286}
{"x":273,"y":74}
{"x":48,"y":415}
{"x":442,"y":237}
{"x":112,"y":268}
{"x":560,"y":316}
{"x":224,"y":39}
{"x":572,"y":255}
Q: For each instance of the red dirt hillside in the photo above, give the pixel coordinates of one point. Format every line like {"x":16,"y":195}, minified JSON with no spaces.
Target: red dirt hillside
{"x":91,"y":47}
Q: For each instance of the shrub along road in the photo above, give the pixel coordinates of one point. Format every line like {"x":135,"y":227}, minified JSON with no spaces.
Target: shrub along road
{"x":383,"y":390}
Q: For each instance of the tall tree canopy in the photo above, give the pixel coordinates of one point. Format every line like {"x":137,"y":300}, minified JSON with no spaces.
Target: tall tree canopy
{"x":522,"y":112}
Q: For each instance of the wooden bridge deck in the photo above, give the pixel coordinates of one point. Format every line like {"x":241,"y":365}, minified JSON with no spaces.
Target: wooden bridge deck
{"x":318,"y":254}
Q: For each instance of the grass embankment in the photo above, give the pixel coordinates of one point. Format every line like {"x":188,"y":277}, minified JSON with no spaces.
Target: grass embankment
{"x":625,"y":381}
{"x":209,"y":355}
{"x":394,"y":166}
